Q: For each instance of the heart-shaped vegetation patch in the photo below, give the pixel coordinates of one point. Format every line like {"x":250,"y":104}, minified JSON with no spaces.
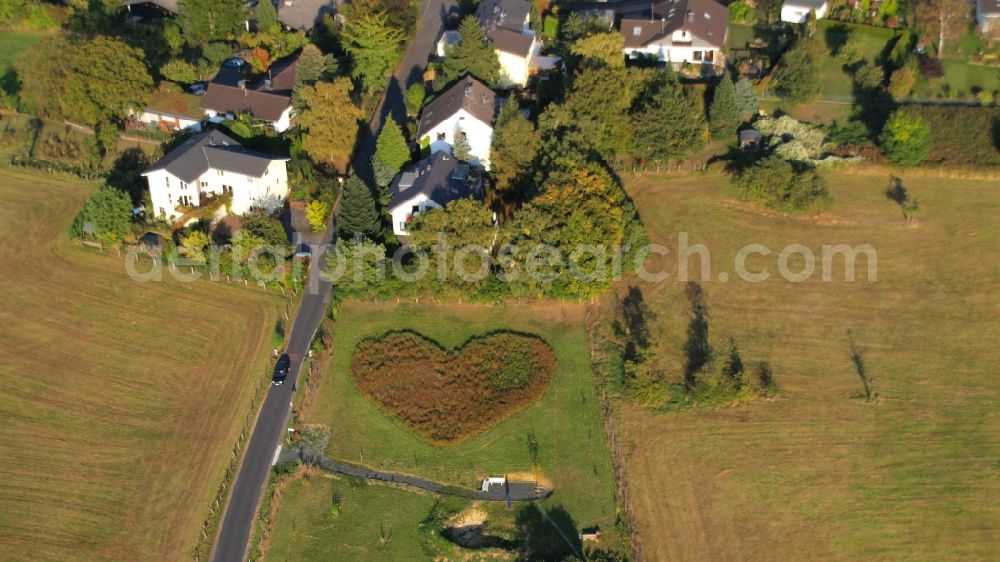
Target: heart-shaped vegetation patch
{"x":449,"y":395}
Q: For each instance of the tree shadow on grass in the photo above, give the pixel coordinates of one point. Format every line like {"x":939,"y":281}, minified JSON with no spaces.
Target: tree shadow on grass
{"x":542,"y":540}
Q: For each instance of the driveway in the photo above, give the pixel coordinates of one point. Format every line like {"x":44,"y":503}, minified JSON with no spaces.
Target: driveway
{"x":234,"y":533}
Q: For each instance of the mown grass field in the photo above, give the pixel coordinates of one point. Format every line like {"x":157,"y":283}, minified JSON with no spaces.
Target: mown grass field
{"x":120,"y":402}
{"x":818,"y":473}
{"x":308,"y":531}
{"x":572,"y":450}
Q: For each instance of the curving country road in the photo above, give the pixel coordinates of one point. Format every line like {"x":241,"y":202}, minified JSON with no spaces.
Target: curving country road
{"x":234,"y":534}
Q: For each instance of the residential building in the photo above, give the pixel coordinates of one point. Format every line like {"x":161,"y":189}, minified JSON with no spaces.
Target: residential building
{"x":679,"y":31}
{"x":467,"y":108}
{"x":507,"y":25}
{"x":988,"y":16}
{"x":431,"y":183}
{"x":304,"y":14}
{"x":270,"y":99}
{"x":170,"y":109}
{"x":796,"y":11}
{"x":212,"y":164}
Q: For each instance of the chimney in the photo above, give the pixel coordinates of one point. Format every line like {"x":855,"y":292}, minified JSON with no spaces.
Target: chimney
{"x":267,"y":83}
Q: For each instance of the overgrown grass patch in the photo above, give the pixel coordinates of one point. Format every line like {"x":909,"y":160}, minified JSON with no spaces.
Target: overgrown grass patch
{"x":449,"y":395}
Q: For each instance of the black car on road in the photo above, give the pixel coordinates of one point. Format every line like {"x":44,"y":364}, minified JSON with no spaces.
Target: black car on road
{"x":281,"y":369}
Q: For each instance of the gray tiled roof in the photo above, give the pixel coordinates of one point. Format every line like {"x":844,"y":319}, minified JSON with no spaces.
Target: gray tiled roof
{"x":212,"y":150}
{"x":512,"y":42}
{"x":169,"y":5}
{"x":705,"y":19}
{"x":508,"y":14}
{"x":304,"y":14}
{"x":264,"y":102}
{"x":440,"y":177}
{"x":468,"y":94}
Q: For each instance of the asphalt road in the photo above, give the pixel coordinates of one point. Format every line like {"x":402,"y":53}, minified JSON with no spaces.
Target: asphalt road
{"x":234,"y":534}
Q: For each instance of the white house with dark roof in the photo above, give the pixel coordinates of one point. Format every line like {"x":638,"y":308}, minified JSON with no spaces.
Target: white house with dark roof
{"x":507,"y":25}
{"x":211,"y":164}
{"x":467,"y":108}
{"x":431,"y":183}
{"x":679,"y":31}
{"x":797,"y":11}
{"x":269,"y":99}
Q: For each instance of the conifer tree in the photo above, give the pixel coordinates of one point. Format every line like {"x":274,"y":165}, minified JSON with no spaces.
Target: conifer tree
{"x":473,"y":54}
{"x":357,"y":210}
{"x":722,"y":114}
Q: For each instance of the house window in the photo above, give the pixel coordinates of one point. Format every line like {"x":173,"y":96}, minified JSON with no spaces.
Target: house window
{"x":204,"y":184}
{"x":709,"y":56}
{"x":218,"y":172}
{"x":249,"y":179}
{"x":162,"y":213}
{"x":184,"y":185}
{"x":697,"y":56}
{"x":402,"y":226}
{"x":167,"y":179}
{"x":637,"y":31}
{"x":227,"y":189}
{"x":415,"y":210}
{"x":442,"y":136}
{"x":267,"y":171}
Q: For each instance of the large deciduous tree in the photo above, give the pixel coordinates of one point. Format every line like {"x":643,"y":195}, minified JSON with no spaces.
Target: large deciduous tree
{"x":515,"y":146}
{"x":330,"y":120}
{"x":473,"y":54}
{"x":601,"y":48}
{"x":374,"y":46}
{"x":798,"y":79}
{"x":943,"y":19}
{"x":212,"y":20}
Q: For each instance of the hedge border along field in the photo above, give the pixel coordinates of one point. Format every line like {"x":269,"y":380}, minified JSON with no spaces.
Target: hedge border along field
{"x":449,"y":395}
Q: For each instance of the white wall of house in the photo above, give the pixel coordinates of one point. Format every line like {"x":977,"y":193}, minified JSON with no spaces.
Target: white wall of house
{"x":697,"y":52}
{"x":268,"y":192}
{"x":793,"y":12}
{"x":405,"y":211}
{"x":479,"y":134}
{"x":513,"y":69}
{"x":168,"y":120}
{"x":284,"y":122}
{"x":281,"y":125}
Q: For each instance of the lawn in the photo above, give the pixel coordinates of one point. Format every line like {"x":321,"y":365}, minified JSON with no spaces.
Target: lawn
{"x":818,"y":473}
{"x":308,"y":531}
{"x":572,"y":451}
{"x":120,"y":401}
{"x":835,"y":83}
{"x":12,"y":45}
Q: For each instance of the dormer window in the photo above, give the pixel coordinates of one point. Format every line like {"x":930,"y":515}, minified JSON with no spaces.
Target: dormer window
{"x":637,"y":30}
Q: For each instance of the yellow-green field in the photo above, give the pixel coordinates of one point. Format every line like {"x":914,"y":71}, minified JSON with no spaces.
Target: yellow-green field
{"x":119,"y":401}
{"x":817,"y":473}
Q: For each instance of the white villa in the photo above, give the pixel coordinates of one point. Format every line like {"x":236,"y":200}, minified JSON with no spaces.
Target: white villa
{"x":467,"y":108}
{"x":679,"y":31}
{"x":430,"y":183}
{"x":211,"y":164}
